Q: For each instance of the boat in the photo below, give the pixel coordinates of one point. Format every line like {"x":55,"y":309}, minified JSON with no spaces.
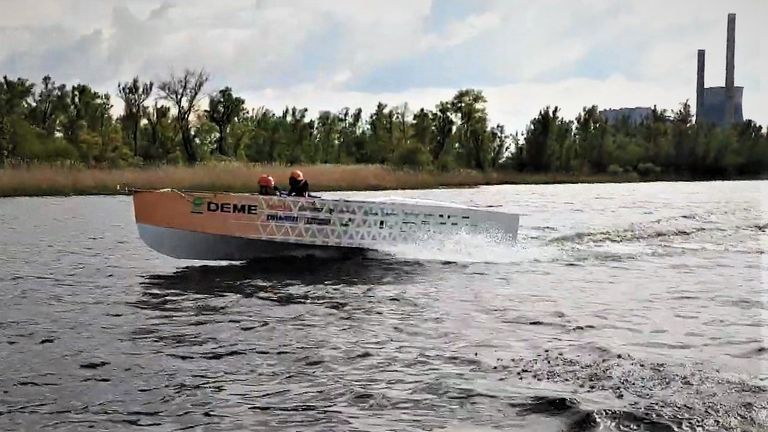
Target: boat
{"x":201,"y":225}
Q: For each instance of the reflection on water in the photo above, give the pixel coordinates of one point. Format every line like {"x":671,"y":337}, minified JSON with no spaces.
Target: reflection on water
{"x":281,"y":280}
{"x":285,"y":272}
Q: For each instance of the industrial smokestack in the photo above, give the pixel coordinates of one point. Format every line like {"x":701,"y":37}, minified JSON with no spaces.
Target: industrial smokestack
{"x":730,"y":50}
{"x":700,"y":85}
{"x":729,"y":60}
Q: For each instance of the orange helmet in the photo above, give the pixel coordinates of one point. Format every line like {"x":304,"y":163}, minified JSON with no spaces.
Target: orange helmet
{"x":266,"y":180}
{"x":297,"y":175}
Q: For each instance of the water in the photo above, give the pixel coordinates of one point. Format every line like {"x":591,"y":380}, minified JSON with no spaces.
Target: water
{"x":623,"y":307}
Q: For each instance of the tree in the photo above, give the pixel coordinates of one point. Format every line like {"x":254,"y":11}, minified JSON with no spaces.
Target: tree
{"x":352,"y":142}
{"x":327,"y":136}
{"x":134,"y":94}
{"x":682,"y":137}
{"x":183,"y":92}
{"x":162,"y":136}
{"x":423,"y":133}
{"x":591,"y":136}
{"x":50,"y":103}
{"x":442,"y":123}
{"x":205,"y":136}
{"x":401,"y":134}
{"x":104,"y":106}
{"x":240,"y":134}
{"x":223,"y":109}
{"x":499,"y":145}
{"x":14,"y":103}
{"x":259,"y":146}
{"x":546,"y":140}
{"x":472,"y":130}
{"x":380,"y":125}
{"x":15,"y":96}
{"x":298,"y":133}
{"x":655,"y":132}
{"x":83,"y":125}
{"x":751,"y":148}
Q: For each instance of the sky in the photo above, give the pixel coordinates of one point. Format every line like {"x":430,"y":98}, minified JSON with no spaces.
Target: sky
{"x":325,"y":55}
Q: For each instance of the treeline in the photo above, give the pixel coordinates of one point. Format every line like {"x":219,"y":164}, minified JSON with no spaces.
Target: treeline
{"x":669,"y":142}
{"x":173,"y":122}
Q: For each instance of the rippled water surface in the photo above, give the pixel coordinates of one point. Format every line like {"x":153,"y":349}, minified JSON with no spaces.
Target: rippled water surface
{"x":622,"y":307}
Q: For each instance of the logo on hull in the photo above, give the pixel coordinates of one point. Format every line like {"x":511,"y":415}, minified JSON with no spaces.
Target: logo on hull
{"x":200,"y":206}
{"x":283,"y":218}
{"x":197,"y":205}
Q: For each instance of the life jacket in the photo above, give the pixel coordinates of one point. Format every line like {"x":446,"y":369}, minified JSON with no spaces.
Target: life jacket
{"x":298,"y":187}
{"x":266,"y":190}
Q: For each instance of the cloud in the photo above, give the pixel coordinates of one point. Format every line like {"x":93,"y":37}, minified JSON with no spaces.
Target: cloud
{"x":523,"y":55}
{"x":459,"y":32}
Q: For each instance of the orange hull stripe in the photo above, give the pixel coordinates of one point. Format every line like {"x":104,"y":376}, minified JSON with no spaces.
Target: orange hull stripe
{"x":171,"y":209}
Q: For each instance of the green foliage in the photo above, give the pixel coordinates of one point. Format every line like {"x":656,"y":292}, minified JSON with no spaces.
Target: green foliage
{"x":50,"y":104}
{"x":33,"y":144}
{"x":183,"y":91}
{"x":499,"y":145}
{"x":205,"y":138}
{"x":54,"y":122}
{"x":672,"y":143}
{"x":134,"y":94}
{"x":223,"y":109}
{"x":380,"y":137}
{"x":548,"y":143}
{"x":474,"y":141}
{"x":625,"y":150}
{"x":647,"y":168}
{"x":14,"y":104}
{"x":442,"y":127}
{"x":593,"y":144}
{"x":87,"y":121}
{"x":412,"y":156}
{"x":160,"y":135}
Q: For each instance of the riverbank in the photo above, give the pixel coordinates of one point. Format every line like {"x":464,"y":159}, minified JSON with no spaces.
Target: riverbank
{"x":62,"y":180}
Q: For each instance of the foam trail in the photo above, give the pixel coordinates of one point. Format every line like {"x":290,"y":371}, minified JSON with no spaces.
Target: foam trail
{"x":470,"y":247}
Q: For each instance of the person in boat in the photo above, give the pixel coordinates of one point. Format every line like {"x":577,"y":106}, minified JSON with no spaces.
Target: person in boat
{"x":267,"y":185}
{"x":298,"y":184}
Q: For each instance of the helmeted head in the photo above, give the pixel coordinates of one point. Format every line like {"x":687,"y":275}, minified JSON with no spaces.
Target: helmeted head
{"x":266,"y":181}
{"x":296,"y":174}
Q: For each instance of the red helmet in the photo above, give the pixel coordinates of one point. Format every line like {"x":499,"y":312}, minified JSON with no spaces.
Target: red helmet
{"x":297,"y":175}
{"x":267,"y":181}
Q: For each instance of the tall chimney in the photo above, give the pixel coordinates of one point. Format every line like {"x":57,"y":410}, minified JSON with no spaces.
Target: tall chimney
{"x":729,"y":60}
{"x":730,"y":50}
{"x":700,"y":85}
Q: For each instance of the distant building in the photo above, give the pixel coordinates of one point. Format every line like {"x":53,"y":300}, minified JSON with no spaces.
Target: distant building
{"x":634,"y":115}
{"x":713,"y":106}
{"x":720,"y":105}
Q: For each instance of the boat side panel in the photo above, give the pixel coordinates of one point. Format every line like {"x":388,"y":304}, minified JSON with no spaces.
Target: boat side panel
{"x":172,"y":209}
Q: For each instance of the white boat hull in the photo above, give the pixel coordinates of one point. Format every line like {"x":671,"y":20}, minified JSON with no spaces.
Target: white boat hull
{"x":191,"y":245}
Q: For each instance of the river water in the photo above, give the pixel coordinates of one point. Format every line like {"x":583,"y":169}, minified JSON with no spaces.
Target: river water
{"x":622,"y":307}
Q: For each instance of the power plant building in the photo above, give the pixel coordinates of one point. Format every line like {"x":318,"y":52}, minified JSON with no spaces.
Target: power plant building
{"x":634,"y":116}
{"x":720,"y":105}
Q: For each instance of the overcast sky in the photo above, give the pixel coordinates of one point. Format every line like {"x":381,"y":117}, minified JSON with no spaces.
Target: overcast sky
{"x":327,"y":54}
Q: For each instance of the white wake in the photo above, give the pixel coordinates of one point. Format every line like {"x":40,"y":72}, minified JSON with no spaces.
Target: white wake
{"x":488,"y":247}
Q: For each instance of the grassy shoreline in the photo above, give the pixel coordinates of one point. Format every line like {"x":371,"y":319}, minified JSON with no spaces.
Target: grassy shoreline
{"x":40,"y":180}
